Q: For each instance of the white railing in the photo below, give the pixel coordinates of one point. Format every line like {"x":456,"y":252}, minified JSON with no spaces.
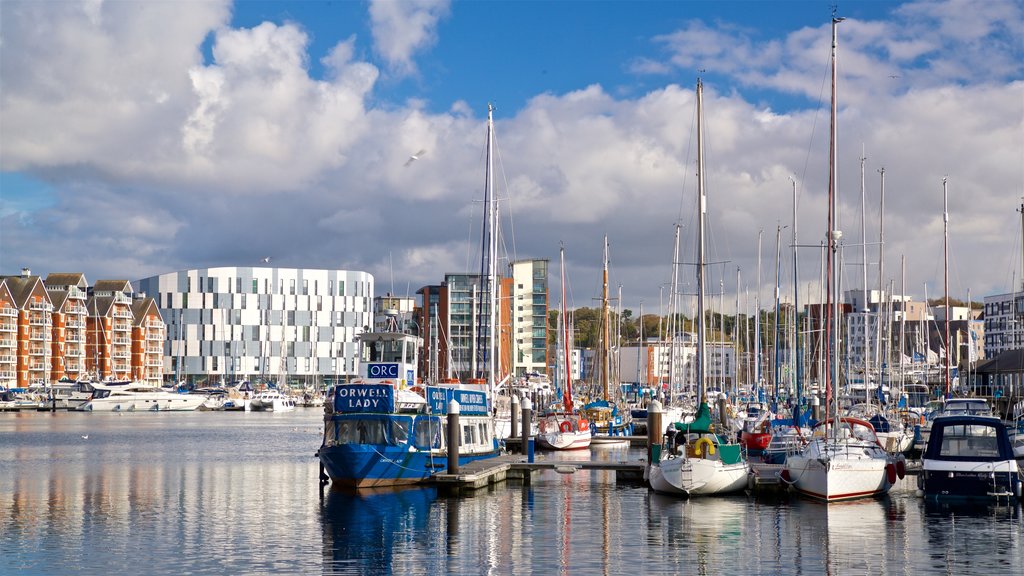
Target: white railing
{"x":37,"y":351}
{"x":8,"y":359}
{"x":8,"y":343}
{"x":39,"y":321}
{"x":122,"y":340}
{"x":154,"y":363}
{"x":38,"y":336}
{"x":75,"y":323}
{"x":44,"y":306}
{"x":9,"y":312}
{"x":120,"y":354}
{"x":8,"y":326}
{"x":7,"y":375}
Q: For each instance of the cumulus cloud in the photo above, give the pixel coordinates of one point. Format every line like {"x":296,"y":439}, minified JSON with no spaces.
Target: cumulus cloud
{"x":169,"y":139}
{"x":400,"y":29}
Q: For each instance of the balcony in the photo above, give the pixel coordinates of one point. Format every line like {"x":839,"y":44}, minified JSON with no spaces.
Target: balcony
{"x":37,"y":351}
{"x":39,"y":336}
{"x":74,"y":353}
{"x":7,"y":375}
{"x":155,"y":337}
{"x":155,"y":350}
{"x":39,"y":321}
{"x":122,"y":313}
{"x":154,"y":363}
{"x":120,"y":354}
{"x":8,"y":343}
{"x":8,"y":312}
{"x":8,"y":359}
{"x":75,"y":323}
{"x":123,"y":368}
{"x":122,"y":340}
{"x":8,"y":326}
{"x":42,"y":306}
{"x":38,"y":367}
{"x":73,"y":338}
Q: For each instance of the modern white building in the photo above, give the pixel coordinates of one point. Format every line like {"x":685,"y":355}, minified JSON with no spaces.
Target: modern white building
{"x":529,"y":316}
{"x":292,"y":326}
{"x":1004,"y":323}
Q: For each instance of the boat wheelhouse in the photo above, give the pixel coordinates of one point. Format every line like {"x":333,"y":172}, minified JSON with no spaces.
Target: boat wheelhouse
{"x":969,"y":457}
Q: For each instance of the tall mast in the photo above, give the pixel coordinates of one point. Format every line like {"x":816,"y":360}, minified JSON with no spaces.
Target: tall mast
{"x":491,"y":336}
{"x":567,"y":383}
{"x":673,"y":312}
{"x":736,"y":339}
{"x":778,"y":297}
{"x":796,"y":313}
{"x":832,"y":362}
{"x":701,"y":212}
{"x":903,"y":316}
{"x":605,"y":320}
{"x":757,"y":321}
{"x":945,"y":274}
{"x":864,"y":269}
{"x":881,"y":353}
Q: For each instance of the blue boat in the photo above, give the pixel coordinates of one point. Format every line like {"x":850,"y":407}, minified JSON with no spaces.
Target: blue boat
{"x":970,"y":458}
{"x":382,"y":429}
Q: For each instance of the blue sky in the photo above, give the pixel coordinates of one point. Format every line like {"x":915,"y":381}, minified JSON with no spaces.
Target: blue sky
{"x":141,"y":138}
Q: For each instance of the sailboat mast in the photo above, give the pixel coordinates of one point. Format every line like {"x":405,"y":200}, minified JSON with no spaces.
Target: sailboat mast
{"x":945,"y":274}
{"x":567,"y":383}
{"x":757,"y":321}
{"x":492,"y":356}
{"x":673,"y":312}
{"x":865,"y":310}
{"x":832,"y":362}
{"x":606,"y":320}
{"x":881,"y":353}
{"x":798,"y":358}
{"x":701,"y":212}
{"x":778,"y":304}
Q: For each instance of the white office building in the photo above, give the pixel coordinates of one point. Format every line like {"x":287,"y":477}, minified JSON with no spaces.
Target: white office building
{"x":295,"y":327}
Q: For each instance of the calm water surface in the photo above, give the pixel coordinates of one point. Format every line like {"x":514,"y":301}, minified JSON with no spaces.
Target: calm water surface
{"x":237,"y":493}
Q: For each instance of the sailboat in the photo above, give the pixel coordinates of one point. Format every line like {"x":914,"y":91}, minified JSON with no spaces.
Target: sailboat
{"x":843,"y":460}
{"x":379,"y":430}
{"x":696,"y":459}
{"x":564,"y":430}
{"x":607,"y":418}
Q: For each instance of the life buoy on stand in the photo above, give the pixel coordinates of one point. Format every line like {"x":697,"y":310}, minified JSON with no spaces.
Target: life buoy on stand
{"x":584,"y":425}
{"x":565,"y":426}
{"x":710,"y":447}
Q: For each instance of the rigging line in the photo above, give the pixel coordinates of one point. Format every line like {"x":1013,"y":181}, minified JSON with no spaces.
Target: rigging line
{"x":686,"y":164}
{"x":508,"y":195}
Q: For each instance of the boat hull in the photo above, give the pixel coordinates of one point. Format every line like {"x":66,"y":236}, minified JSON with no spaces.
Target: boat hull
{"x":369,"y":466}
{"x":564,"y":440}
{"x":836,"y":471}
{"x":698,"y":476}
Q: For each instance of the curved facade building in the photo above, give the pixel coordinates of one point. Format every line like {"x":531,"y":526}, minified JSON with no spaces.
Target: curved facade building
{"x":292,"y":326}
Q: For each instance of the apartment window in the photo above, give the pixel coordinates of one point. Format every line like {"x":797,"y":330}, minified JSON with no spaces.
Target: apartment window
{"x":210,"y":284}
{"x":291,"y":287}
{"x":305,"y":287}
{"x":341,"y":288}
{"x":188,"y":284}
{"x":330,"y":286}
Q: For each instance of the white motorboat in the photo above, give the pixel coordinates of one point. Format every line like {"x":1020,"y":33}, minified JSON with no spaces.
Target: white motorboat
{"x":137,"y":397}
{"x":271,"y":401}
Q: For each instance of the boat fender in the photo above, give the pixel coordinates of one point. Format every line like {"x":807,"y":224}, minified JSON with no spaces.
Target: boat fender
{"x":584,"y":425}
{"x":705,"y":442}
{"x":901,"y":467}
{"x":565,"y":426}
{"x":784,"y":476}
{"x":890,"y":473}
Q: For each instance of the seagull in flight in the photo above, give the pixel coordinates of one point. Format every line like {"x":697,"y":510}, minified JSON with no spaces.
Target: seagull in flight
{"x":85,"y":436}
{"x":266,"y":260}
{"x":414,"y":157}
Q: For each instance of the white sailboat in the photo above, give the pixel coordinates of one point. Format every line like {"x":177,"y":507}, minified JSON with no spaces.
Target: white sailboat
{"x":564,"y":430}
{"x":697,"y":460}
{"x":843,"y":459}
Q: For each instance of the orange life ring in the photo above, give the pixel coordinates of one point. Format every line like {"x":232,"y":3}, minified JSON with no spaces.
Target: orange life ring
{"x":565,"y":426}
{"x":584,"y":425}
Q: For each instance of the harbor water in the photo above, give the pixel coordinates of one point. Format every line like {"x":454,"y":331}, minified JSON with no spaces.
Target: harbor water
{"x":237,"y":493}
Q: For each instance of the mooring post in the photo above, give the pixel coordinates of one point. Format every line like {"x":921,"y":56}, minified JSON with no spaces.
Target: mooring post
{"x":453,"y":437}
{"x":514,"y":433}
{"x":653,"y":433}
{"x":723,"y":416}
{"x":815,"y":408}
{"x":527,"y":420}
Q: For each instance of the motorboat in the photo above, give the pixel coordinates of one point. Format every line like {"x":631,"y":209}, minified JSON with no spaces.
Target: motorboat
{"x":138,"y":397}
{"x":271,"y":401}
{"x":969,"y":457}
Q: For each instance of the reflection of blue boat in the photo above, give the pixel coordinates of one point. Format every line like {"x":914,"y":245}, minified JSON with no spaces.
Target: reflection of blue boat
{"x":969,"y":457}
{"x":361,"y":528}
{"x":379,"y":430}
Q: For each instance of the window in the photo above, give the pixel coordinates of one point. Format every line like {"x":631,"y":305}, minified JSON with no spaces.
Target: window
{"x":291,"y":287}
{"x":341,"y":288}
{"x":305,"y":287}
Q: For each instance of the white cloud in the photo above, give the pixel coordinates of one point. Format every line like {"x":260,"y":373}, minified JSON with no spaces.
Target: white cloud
{"x":160,"y":160}
{"x":403,"y":27}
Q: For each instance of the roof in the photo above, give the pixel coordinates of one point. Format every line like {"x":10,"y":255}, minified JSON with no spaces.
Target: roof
{"x":1009,"y":362}
{"x":113,"y":286}
{"x":63,"y":279}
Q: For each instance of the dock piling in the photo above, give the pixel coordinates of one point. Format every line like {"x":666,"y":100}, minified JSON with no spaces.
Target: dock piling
{"x":453,"y":437}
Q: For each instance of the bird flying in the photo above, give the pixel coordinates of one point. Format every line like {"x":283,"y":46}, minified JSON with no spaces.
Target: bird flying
{"x":414,"y":157}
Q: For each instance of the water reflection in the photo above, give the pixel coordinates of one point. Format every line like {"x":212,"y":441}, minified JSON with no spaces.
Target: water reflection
{"x":362,"y":529}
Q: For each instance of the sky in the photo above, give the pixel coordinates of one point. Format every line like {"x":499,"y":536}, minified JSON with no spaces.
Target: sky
{"x":139,"y":138}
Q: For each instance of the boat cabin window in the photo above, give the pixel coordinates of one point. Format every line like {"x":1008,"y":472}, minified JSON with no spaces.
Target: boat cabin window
{"x":384,"y":351}
{"x":468,"y":434}
{"x":969,"y":440}
{"x":428,"y":433}
{"x":98,"y":393}
{"x":368,"y":431}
